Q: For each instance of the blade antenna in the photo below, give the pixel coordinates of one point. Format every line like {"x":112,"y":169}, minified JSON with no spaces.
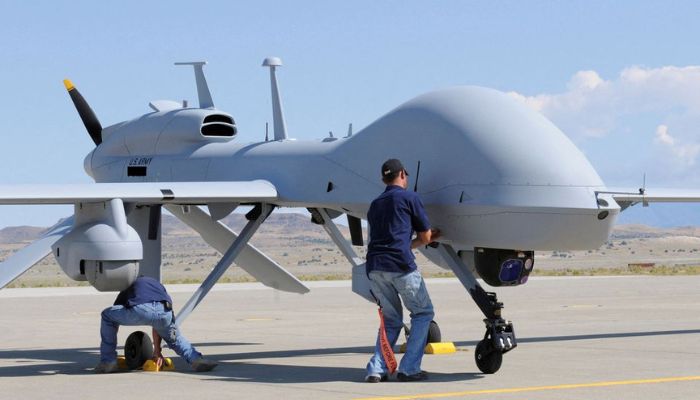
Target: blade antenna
{"x":203,"y":93}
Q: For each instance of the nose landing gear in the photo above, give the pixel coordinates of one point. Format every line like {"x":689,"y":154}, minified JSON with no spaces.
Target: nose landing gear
{"x":498,"y":340}
{"x":500,"y":335}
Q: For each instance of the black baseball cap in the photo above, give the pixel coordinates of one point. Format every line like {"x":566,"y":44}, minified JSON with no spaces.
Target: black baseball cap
{"x":391,"y":166}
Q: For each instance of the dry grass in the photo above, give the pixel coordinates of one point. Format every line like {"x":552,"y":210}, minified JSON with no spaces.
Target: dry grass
{"x":307,"y":252}
{"x":659,"y":270}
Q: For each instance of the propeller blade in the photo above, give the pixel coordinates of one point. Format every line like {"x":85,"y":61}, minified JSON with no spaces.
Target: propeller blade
{"x":92,"y":124}
{"x":355,"y":225}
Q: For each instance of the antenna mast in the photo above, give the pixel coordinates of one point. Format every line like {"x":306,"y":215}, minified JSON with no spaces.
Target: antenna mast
{"x":280,"y":127}
{"x":203,"y":93}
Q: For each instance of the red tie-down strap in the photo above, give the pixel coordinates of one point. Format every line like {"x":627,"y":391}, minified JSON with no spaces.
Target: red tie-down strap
{"x":385,"y":346}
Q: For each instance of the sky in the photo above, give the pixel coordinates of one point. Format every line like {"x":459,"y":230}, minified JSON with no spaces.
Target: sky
{"x":621,"y":79}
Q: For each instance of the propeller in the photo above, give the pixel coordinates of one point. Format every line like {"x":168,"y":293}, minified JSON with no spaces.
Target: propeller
{"x":92,"y":124}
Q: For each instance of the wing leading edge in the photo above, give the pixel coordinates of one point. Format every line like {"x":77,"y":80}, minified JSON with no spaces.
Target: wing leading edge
{"x":626,"y":199}
{"x":140,"y":192}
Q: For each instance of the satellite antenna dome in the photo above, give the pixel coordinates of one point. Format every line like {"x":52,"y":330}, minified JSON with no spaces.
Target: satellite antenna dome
{"x":272,"y":62}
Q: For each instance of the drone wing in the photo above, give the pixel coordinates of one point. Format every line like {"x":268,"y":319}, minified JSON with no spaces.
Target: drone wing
{"x":182,"y":193}
{"x":626,"y":199}
{"x":140,"y":192}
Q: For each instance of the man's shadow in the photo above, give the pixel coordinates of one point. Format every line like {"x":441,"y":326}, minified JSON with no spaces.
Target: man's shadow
{"x":282,"y":373}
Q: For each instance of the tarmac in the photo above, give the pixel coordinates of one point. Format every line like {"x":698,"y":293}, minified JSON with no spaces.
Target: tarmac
{"x":579,"y":338}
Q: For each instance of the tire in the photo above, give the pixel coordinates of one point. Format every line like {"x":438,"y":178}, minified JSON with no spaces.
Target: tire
{"x":434,"y":335}
{"x":138,"y":349}
{"x":488,"y":359}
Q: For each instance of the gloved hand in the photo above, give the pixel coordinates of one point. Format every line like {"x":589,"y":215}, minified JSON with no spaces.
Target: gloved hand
{"x":158,"y":356}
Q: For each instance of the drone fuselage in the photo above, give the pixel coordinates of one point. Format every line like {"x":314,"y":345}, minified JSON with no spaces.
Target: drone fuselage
{"x":490,"y":171}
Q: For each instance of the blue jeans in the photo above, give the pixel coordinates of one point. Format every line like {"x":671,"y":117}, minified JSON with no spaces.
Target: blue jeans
{"x":387,"y":287}
{"x":152,"y":314}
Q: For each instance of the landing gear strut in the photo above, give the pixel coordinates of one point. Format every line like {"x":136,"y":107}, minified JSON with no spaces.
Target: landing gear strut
{"x":360,"y":282}
{"x":500,"y":335}
{"x":255,"y":218}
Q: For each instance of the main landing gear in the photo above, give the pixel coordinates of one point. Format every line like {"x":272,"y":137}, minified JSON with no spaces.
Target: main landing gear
{"x":360,"y":282}
{"x":434,"y":334}
{"x":255,"y":218}
{"x":500,"y":336}
{"x":138,"y":349}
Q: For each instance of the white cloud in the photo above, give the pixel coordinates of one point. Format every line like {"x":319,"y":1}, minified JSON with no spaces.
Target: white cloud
{"x":684,"y":153}
{"x":662,"y":136}
{"x":631,"y":117}
{"x":585,"y":80}
{"x":598,"y":105}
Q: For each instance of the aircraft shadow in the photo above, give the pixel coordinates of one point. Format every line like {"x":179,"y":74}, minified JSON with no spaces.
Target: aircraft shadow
{"x":546,"y":339}
{"x":75,"y":361}
{"x":233,"y":366}
{"x":81,"y":361}
{"x":369,"y":349}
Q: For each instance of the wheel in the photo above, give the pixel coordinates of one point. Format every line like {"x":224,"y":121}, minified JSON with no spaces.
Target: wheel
{"x":434,"y":335}
{"x":138,"y":349}
{"x":488,"y":359}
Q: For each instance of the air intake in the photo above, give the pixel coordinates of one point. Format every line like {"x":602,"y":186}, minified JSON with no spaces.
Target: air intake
{"x":218,"y":125}
{"x":218,"y":118}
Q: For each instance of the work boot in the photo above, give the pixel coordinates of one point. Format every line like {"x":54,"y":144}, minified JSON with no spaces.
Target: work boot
{"x":203,"y":365}
{"x":106,"y":368}
{"x":420,"y":376}
{"x":376,"y":378}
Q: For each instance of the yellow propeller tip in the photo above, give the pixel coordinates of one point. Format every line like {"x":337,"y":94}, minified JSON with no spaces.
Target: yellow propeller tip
{"x":68,"y":84}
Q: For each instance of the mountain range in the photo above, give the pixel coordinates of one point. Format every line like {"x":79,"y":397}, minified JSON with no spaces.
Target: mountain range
{"x":288,"y":223}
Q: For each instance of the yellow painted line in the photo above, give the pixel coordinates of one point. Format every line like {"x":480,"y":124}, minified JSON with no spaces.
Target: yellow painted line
{"x":537,"y":388}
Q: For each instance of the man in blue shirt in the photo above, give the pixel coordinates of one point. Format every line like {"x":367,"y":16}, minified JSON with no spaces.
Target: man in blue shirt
{"x":393,"y":274}
{"x":145,"y":302}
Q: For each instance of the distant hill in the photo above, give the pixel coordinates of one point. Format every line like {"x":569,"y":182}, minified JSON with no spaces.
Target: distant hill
{"x":634,"y":231}
{"x":289,"y":224}
{"x":20,"y":234}
{"x":284,"y":222}
{"x":281,"y":223}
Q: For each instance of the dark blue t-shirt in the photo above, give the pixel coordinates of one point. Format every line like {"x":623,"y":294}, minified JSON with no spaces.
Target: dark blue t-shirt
{"x":392,"y":218}
{"x":143,"y":290}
